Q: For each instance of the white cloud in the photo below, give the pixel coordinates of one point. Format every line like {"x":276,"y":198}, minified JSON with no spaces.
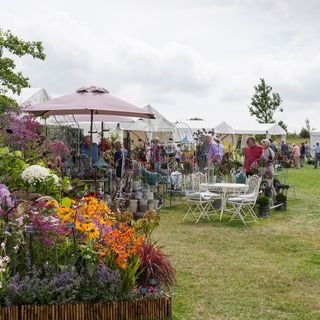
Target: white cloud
{"x":186,"y":58}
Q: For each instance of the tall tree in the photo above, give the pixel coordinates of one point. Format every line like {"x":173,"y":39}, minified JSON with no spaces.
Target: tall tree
{"x":10,"y":79}
{"x":283,"y":126}
{"x":264,"y":103}
{"x":308,"y":126}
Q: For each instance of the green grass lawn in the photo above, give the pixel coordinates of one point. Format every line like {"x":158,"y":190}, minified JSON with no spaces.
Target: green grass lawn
{"x":265,"y":271}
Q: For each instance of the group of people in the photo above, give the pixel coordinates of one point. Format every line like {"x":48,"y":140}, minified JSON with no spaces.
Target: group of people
{"x":156,"y":153}
{"x":259,"y":156}
{"x":264,"y":155}
{"x":119,"y":153}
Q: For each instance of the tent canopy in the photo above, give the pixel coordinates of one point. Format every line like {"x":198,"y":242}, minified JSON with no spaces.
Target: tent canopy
{"x":262,"y":128}
{"x":159,"y":124}
{"x":31,"y":96}
{"x":223,"y":128}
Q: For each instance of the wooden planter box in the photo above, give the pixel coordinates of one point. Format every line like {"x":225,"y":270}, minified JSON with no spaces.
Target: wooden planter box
{"x":121,"y":310}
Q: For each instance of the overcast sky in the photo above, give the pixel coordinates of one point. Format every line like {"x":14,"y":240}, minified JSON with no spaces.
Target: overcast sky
{"x":186,"y":58}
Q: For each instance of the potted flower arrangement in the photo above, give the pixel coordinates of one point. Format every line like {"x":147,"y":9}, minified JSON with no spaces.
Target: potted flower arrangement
{"x":281,"y":198}
{"x":263,"y":203}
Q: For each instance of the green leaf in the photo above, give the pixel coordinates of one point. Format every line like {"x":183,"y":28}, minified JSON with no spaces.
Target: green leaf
{"x":66,"y":202}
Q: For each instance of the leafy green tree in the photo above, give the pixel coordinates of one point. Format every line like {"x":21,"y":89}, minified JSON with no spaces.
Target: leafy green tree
{"x":308,"y":126}
{"x":304,"y":133}
{"x":283,"y":125}
{"x":264,"y":103}
{"x":10,"y":79}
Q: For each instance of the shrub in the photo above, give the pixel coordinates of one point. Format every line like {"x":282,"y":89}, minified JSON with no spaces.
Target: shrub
{"x":281,"y":197}
{"x":156,"y":266}
{"x":263,"y":201}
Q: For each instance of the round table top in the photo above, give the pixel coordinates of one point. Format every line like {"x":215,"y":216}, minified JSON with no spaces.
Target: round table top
{"x":225,"y":185}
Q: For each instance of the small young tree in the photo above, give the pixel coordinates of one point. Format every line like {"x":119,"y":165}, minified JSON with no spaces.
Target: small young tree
{"x":308,"y":126}
{"x":264,"y":103}
{"x":10,"y":80}
{"x":283,"y":126}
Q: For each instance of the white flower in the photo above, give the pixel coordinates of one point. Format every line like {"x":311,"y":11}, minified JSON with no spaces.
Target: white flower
{"x":37,"y":174}
{"x":3,"y":245}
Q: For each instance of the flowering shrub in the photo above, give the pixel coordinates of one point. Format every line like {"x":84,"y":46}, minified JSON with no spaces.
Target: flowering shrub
{"x":24,"y":135}
{"x":41,"y":180}
{"x":36,"y":174}
{"x":93,"y":220}
{"x":6,"y":201}
{"x":58,"y":149}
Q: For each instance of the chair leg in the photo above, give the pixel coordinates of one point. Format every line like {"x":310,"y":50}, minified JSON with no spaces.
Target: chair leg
{"x":239,"y":214}
{"x":203,"y":211}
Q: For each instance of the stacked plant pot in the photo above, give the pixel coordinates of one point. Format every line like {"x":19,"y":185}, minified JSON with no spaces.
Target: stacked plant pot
{"x":142,"y":201}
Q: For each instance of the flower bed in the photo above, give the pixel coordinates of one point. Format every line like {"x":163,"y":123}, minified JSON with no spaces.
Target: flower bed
{"x":73,"y":259}
{"x":122,"y":310}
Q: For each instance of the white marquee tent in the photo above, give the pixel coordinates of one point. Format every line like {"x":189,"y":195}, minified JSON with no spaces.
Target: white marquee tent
{"x":30,"y":96}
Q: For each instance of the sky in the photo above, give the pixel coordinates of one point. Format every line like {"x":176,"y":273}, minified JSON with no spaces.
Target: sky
{"x":186,"y":58}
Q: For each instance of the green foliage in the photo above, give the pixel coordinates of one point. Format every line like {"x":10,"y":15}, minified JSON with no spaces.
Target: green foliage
{"x":264,"y":103}
{"x":283,"y":125}
{"x":11,"y":166}
{"x":308,"y":125}
{"x":304,"y":133}
{"x":187,"y":167}
{"x":130,"y":274}
{"x":263,"y":201}
{"x":281,"y":197}
{"x":10,"y":80}
{"x":148,"y":223}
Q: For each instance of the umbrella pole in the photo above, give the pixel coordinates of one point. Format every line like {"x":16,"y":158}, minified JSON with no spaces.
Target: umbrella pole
{"x":91,"y":128}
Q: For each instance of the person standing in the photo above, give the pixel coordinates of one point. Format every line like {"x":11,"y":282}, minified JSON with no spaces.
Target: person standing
{"x":177,"y":153}
{"x":302,"y":153}
{"x":308,"y":150}
{"x":85,"y":149}
{"x":267,"y":158}
{"x":284,"y":151}
{"x":157,"y":154}
{"x":252,"y":154}
{"x":316,"y":150}
{"x":273,"y":146}
{"x":119,"y":157}
{"x":296,"y":154}
{"x":215,"y":152}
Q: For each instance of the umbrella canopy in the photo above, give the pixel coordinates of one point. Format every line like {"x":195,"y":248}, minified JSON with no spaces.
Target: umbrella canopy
{"x":98,"y":118}
{"x":88,"y":100}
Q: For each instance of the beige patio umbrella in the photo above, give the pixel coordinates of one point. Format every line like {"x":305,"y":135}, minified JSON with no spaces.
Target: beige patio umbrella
{"x":91,"y":101}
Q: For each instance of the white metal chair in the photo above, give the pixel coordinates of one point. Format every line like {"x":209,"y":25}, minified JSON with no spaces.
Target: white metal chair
{"x":199,"y":200}
{"x":242,"y":205}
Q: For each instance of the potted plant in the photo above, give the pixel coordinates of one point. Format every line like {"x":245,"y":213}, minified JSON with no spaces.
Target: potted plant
{"x":187,"y":167}
{"x":281,"y":198}
{"x":136,"y":182}
{"x":263,"y":203}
